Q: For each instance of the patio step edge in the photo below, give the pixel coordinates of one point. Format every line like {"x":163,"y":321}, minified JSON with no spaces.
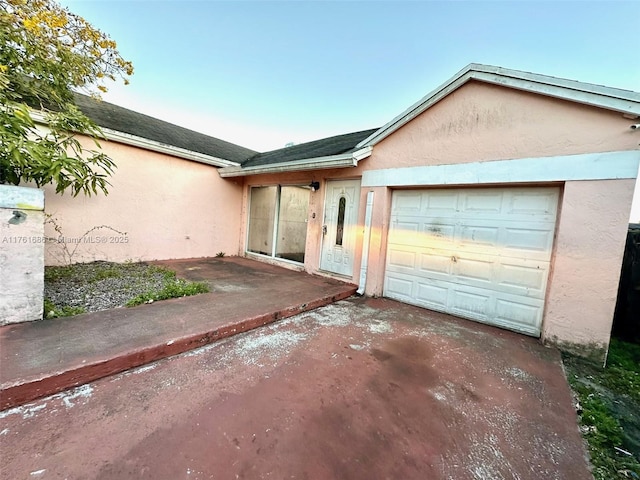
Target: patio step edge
{"x":20,"y":392}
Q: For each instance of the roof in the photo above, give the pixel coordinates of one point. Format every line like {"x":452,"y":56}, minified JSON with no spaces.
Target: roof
{"x":339,"y":151}
{"x":119,"y":119}
{"x":623,"y":101}
{"x":318,"y":148}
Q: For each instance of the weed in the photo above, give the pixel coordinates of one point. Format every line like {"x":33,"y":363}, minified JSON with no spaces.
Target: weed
{"x":175,"y":289}
{"x":53,"y":274}
{"x":100,"y":285}
{"x":52,"y":310}
{"x":609,"y":400}
{"x":220,"y":254}
{"x":167,"y":275}
{"x":106,"y":271}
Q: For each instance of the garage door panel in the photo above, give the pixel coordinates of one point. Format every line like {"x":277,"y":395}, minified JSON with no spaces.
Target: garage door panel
{"x":416,"y":232}
{"x":523,"y":238}
{"x":482,"y":202}
{"x":537,"y":203}
{"x":525,"y":280}
{"x":469,"y":304}
{"x":479,"y":236}
{"x":402,"y":259}
{"x":435,"y":264}
{"x":408,"y":202}
{"x":438,"y":231}
{"x":431,"y":294}
{"x":474,"y":269}
{"x":479,"y":253}
{"x":399,"y":288}
{"x":443,"y":203}
{"x":518,"y":313}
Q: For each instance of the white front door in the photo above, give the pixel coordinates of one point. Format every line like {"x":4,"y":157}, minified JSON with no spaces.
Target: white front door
{"x":339,"y":228}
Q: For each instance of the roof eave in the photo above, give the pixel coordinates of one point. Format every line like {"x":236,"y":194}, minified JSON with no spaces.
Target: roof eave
{"x":623,"y":101}
{"x":152,"y":145}
{"x":344,"y":160}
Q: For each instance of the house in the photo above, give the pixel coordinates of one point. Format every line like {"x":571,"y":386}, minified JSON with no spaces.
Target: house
{"x":502,"y":196}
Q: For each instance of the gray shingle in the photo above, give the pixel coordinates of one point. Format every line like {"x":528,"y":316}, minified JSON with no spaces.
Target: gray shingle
{"x":123,"y":120}
{"x":317,"y":148}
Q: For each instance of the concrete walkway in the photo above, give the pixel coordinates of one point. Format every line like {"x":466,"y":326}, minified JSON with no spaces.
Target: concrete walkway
{"x":41,"y":358}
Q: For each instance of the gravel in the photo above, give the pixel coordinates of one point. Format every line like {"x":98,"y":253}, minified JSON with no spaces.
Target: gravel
{"x":101,"y":285}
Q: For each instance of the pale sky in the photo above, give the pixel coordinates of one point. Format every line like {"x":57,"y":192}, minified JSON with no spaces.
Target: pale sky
{"x":263,"y":73}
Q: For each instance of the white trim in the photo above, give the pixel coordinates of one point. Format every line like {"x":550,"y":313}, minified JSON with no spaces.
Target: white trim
{"x":152,"y":145}
{"x":344,"y":160}
{"x":364,"y":261}
{"x":623,"y":101}
{"x":590,"y":166}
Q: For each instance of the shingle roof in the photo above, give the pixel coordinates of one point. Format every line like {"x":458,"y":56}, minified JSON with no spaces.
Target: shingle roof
{"x":317,"y":148}
{"x":123,"y":120}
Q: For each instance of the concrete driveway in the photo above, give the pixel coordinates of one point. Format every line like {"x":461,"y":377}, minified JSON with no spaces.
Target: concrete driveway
{"x":361,"y":389}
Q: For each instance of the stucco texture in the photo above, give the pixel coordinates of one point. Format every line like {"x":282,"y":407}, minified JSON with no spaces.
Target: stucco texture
{"x":21,"y":254}
{"x":583,"y":285}
{"x":482,"y":122}
{"x":167,"y":207}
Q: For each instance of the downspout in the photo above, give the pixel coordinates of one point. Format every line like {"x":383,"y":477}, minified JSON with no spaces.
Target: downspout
{"x":364,"y":262}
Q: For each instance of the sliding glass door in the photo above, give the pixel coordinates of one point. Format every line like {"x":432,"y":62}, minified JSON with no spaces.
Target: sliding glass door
{"x":278,"y":221}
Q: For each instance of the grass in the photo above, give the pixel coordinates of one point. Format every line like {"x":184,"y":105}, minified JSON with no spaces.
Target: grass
{"x":54,"y":274}
{"x":609,"y":410}
{"x":174,"y":289}
{"x":51,"y":310}
{"x":135,"y":283}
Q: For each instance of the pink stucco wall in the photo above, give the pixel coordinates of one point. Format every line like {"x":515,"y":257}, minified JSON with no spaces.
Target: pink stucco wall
{"x":168,"y":207}
{"x":590,"y":239}
{"x":482,"y":122}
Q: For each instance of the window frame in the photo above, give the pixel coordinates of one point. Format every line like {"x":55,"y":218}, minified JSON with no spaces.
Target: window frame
{"x":276,"y":222}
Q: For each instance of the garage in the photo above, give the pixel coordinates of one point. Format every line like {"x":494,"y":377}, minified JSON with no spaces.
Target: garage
{"x":478,"y":253}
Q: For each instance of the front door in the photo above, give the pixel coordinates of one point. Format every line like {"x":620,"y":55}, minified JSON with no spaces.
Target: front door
{"x":339,"y":229}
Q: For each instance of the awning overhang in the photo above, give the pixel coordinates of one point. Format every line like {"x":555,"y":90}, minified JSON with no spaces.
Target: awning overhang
{"x":343,"y":160}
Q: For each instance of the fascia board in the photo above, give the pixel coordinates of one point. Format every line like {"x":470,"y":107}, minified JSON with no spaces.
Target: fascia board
{"x":318,"y":163}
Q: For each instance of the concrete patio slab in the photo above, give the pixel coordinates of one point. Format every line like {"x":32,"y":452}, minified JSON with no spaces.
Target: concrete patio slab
{"x":361,"y":389}
{"x":41,"y":358}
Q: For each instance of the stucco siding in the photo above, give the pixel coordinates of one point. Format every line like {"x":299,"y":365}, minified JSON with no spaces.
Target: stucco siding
{"x":590,"y":240}
{"x":168,"y":207}
{"x":481,"y":122}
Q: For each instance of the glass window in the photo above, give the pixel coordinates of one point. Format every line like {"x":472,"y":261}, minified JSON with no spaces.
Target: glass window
{"x":342,"y":206}
{"x":262,"y":210}
{"x":282,"y":210}
{"x":292,"y":223}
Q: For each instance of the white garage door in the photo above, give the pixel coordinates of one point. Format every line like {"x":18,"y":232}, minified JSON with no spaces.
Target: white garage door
{"x":481,"y":253}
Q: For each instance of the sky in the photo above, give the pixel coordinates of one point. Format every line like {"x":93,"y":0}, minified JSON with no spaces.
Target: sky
{"x":263,"y":73}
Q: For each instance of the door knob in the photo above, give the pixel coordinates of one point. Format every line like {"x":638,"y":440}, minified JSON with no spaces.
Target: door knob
{"x":324,"y":229}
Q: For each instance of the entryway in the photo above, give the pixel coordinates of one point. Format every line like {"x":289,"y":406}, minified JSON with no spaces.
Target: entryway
{"x":339,"y":228}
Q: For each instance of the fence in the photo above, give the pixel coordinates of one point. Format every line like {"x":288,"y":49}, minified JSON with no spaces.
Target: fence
{"x":626,"y":321}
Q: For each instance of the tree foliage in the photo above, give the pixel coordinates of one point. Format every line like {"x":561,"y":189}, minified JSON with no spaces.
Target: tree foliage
{"x":47,"y":53}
